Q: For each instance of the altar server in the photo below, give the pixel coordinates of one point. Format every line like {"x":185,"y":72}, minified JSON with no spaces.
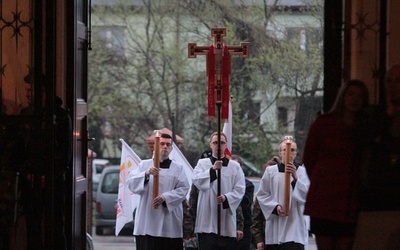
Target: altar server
{"x":158,"y":221}
{"x":284,"y":229}
{"x":232,"y":191}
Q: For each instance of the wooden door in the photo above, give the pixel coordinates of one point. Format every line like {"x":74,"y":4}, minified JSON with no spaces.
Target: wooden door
{"x":77,"y":15}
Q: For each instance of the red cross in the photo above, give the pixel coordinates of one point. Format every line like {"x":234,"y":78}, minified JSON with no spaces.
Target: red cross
{"x":218,"y":68}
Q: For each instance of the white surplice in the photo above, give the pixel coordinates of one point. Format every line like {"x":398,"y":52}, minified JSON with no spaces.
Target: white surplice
{"x":232,"y":186}
{"x":271,"y":193}
{"x":173,"y":185}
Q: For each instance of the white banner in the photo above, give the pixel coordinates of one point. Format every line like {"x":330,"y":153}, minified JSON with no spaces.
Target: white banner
{"x":126,"y":202}
{"x":177,"y":156}
{"x":227,"y":130}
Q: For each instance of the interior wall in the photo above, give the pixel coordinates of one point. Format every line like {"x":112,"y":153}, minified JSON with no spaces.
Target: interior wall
{"x":393,"y":29}
{"x":364,"y":39}
{"x":375,"y":47}
{"x":369,"y":58}
{"x":16,"y":60}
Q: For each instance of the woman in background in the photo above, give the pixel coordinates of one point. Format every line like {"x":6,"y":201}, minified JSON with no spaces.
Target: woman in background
{"x":329,"y":158}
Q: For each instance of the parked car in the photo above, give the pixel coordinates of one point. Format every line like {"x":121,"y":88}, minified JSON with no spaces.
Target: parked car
{"x":249,"y":168}
{"x":256,"y":183}
{"x":97,"y":167}
{"x":106,"y":202}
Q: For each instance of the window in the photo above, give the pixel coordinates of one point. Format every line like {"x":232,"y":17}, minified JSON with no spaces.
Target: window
{"x":282,"y":116}
{"x":112,"y":39}
{"x":110,"y":183}
{"x":304,"y":37}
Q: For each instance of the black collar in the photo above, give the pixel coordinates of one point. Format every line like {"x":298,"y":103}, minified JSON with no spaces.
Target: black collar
{"x":165,"y":164}
{"x":225,"y":161}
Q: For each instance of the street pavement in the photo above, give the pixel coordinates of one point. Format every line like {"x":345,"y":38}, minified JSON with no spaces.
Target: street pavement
{"x":112,"y":242}
{"x":127,"y":243}
{"x":312,"y":245}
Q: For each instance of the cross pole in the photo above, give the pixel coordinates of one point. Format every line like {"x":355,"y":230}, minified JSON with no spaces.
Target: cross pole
{"x":218,"y":71}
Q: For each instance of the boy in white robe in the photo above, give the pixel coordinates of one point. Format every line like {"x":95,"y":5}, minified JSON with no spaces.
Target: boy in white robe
{"x":232,"y":191}
{"x":159,"y":228}
{"x":281,"y":231}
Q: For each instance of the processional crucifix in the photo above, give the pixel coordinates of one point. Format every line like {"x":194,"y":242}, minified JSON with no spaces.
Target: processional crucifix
{"x":218,"y":71}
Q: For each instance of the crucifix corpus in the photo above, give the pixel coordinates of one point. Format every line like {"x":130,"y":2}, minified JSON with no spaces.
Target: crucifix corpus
{"x":218,"y":70}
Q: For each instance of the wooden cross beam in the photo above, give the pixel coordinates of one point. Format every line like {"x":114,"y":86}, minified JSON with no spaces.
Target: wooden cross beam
{"x":218,"y":67}
{"x":218,"y":34}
